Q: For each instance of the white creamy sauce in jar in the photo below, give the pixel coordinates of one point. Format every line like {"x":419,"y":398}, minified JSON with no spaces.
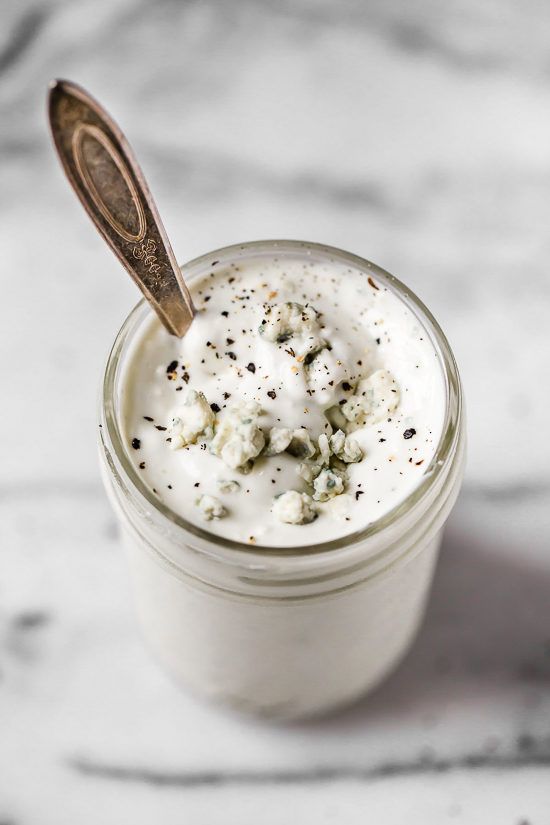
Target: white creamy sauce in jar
{"x":305,"y":402}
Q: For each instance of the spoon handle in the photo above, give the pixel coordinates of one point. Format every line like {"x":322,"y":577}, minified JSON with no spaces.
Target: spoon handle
{"x":104,"y":173}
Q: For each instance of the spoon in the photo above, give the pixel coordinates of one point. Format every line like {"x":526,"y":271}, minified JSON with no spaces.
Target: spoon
{"x":104,"y":173}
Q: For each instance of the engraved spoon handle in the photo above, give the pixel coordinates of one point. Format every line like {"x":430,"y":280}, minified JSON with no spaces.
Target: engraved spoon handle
{"x":104,"y":173}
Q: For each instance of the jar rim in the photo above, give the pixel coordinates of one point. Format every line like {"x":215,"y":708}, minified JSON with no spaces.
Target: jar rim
{"x":112,"y":440}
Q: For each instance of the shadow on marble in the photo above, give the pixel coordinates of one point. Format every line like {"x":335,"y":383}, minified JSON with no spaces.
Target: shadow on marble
{"x":485,"y":637}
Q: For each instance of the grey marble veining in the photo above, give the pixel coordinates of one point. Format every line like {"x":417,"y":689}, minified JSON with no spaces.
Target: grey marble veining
{"x":414,"y":134}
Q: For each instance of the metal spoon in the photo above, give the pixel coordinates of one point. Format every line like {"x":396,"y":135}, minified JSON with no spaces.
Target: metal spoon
{"x":104,"y":173}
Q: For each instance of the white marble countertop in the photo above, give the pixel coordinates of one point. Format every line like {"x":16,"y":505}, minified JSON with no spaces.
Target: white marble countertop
{"x":417,"y":135}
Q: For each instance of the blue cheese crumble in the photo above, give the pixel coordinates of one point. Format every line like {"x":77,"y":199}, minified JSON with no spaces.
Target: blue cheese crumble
{"x":210,"y":507}
{"x":238,"y":437}
{"x":293,"y":507}
{"x":374,"y":399}
{"x":192,"y":419}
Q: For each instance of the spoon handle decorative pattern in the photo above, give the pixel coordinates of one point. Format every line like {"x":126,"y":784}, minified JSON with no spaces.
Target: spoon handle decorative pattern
{"x":104,"y":173}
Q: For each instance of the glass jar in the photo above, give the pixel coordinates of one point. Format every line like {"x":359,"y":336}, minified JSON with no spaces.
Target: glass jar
{"x":283,"y":632}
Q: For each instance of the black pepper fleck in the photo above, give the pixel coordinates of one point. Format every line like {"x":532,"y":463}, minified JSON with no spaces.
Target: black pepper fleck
{"x":251,"y":367}
{"x":272,"y":394}
{"x":136,"y":443}
{"x":215,"y":408}
{"x":171,"y":369}
{"x":409,"y":433}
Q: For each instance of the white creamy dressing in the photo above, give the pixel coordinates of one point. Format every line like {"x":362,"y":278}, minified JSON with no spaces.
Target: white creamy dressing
{"x":223,"y":356}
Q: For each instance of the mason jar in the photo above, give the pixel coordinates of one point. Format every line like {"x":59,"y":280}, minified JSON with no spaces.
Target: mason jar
{"x":281,"y":632}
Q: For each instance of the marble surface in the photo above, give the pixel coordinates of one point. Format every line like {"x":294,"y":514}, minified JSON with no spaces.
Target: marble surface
{"x":414,"y":134}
